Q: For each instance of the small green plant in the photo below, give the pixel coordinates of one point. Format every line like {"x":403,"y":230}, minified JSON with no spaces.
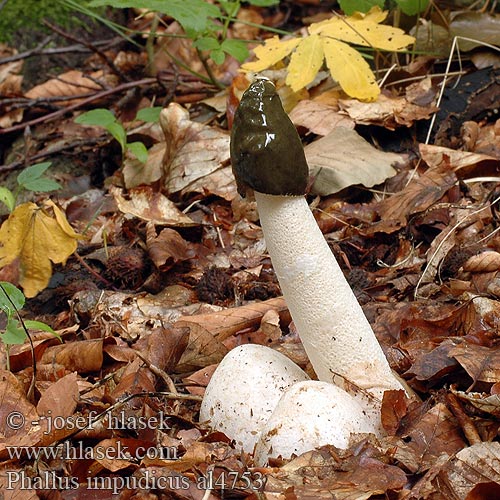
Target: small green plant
{"x":149,"y":115}
{"x":12,"y":300}
{"x":30,"y":179}
{"x":104,"y":118}
{"x":204,"y":22}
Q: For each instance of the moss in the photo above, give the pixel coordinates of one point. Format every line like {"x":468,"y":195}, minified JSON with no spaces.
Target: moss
{"x":18,"y":16}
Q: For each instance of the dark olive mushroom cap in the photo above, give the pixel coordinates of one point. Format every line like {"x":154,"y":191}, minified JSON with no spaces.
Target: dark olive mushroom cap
{"x":266,"y":151}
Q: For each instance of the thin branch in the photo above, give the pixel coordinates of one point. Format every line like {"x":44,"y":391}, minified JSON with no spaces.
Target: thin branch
{"x":95,"y":97}
{"x":91,"y":47}
{"x":40,"y":51}
{"x":44,"y":154}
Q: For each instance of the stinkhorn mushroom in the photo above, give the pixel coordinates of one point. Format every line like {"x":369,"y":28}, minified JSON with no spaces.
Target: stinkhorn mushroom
{"x":268,"y":158}
{"x":308,"y":415}
{"x":245,"y":390}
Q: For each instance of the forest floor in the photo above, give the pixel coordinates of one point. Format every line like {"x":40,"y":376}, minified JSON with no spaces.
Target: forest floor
{"x":151,"y":271}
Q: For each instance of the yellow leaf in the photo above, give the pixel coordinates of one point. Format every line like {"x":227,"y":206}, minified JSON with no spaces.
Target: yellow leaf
{"x":325,"y":41}
{"x":36,"y":238}
{"x":305,"y":62}
{"x":348,"y":67}
{"x":363,"y":31}
{"x":375,"y":14}
{"x":270,"y":53}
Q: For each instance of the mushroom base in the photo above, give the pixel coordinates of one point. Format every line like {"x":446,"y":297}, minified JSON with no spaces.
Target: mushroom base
{"x":262,"y":400}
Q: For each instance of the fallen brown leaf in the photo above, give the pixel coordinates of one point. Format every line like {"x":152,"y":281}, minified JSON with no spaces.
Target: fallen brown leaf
{"x":83,"y":356}
{"x":168,"y":247}
{"x":223,"y":324}
{"x":318,"y":474}
{"x":428,"y":436}
{"x":474,"y":473}
{"x":202,"y":349}
{"x":196,"y":156}
{"x":20,"y":423}
{"x":137,"y":174}
{"x":484,"y":262}
{"x":390,"y":112}
{"x":484,"y":402}
{"x":61,"y":398}
{"x":481,"y":363}
{"x":463,"y":163}
{"x":150,"y":205}
{"x":343,"y":159}
{"x":71,"y":83}
{"x":419,"y":195}
{"x":318,"y":117}
{"x":429,"y":366}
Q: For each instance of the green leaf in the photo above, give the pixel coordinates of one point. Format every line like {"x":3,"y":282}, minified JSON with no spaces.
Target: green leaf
{"x":42,"y":185}
{"x":33,"y":172}
{"x":236,"y":48}
{"x":39,"y":325}
{"x":118,"y":132}
{"x":231,"y":8}
{"x":207,"y":43}
{"x":100,"y":117}
{"x":412,"y":7}
{"x":191,"y":14}
{"x":139,"y":150}
{"x":351,"y":6}
{"x":217,"y":56}
{"x":17,"y":299}
{"x":30,"y":179}
{"x":13,"y":333}
{"x":7,"y":198}
{"x":149,"y":115}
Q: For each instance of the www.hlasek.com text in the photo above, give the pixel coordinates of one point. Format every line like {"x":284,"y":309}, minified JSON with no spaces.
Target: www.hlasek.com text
{"x":67,"y":451}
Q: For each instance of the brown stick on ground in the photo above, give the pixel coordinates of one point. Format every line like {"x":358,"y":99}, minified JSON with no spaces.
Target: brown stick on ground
{"x":223,"y":324}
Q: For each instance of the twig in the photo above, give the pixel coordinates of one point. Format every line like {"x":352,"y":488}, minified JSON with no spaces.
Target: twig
{"x":126,"y":399}
{"x":64,"y":147}
{"x":95,"y":97}
{"x":40,"y":51}
{"x":159,"y":372}
{"x":208,"y":69}
{"x":91,"y":271}
{"x":91,"y":47}
{"x":150,"y":46}
{"x":454,"y":45}
{"x":430,"y":260}
{"x":164,"y":376}
{"x":43,"y":102}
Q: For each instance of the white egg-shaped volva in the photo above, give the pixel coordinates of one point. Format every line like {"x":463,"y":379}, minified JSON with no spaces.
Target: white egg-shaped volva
{"x":311,"y":414}
{"x":244,"y":391}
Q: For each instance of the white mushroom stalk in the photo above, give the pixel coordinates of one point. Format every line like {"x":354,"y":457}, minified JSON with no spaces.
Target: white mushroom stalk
{"x":268,"y":159}
{"x":331,"y":324}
